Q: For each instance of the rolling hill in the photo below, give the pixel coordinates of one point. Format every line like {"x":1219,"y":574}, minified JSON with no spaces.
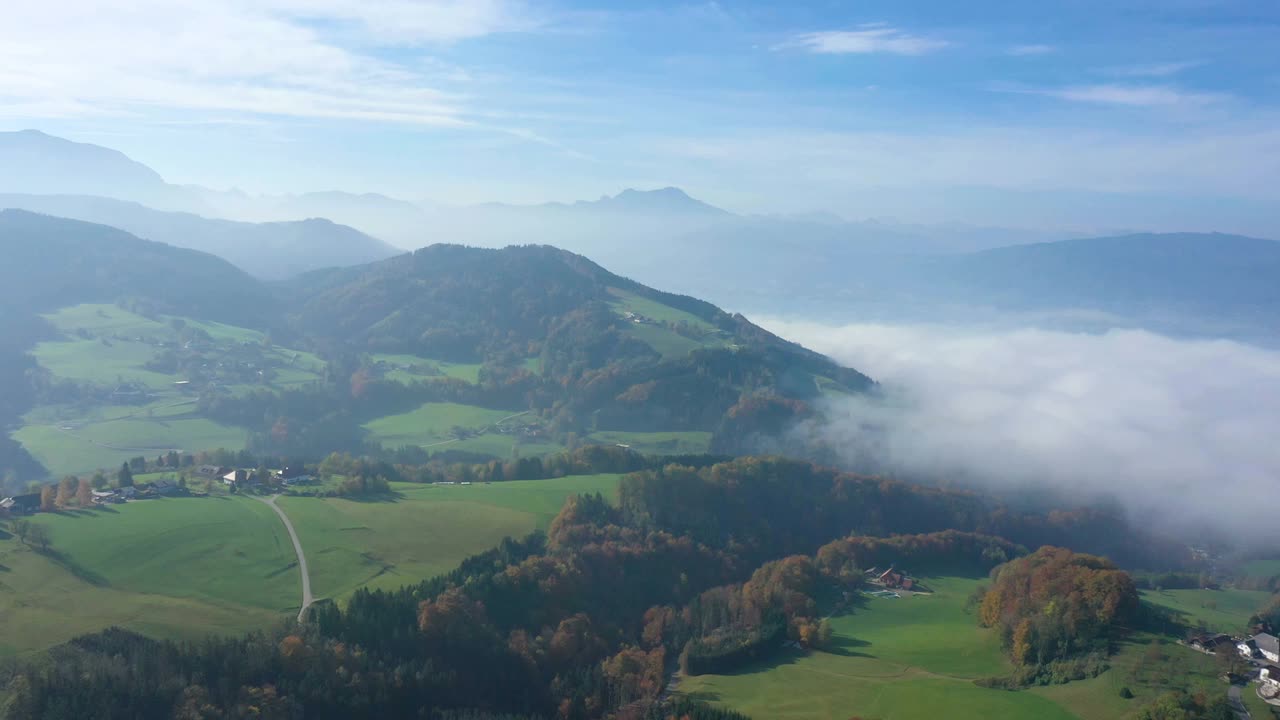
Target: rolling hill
{"x":483,"y":353}
{"x":270,"y":250}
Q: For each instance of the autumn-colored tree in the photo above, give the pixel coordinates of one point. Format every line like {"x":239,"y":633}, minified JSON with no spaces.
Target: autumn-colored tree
{"x":48,"y":498}
{"x":84,"y":493}
{"x":66,"y":491}
{"x":1054,"y":603}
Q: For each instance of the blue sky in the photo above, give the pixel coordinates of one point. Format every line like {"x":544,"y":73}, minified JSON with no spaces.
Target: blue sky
{"x":1082,"y":114}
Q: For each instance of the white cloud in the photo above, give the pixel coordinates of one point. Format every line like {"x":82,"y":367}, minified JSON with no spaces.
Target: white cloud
{"x":274,"y":57}
{"x":1175,"y":429}
{"x":1025,"y":50}
{"x":871,"y":38}
{"x":1131,"y":95}
{"x":1154,"y":69}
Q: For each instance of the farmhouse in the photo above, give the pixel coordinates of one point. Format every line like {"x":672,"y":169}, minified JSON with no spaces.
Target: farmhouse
{"x":167,"y":488}
{"x":22,"y":504}
{"x":894,"y":580}
{"x":1209,"y":642}
{"x":210,"y":470}
{"x":235,"y":476}
{"x":1261,"y":645}
{"x":1270,"y":675}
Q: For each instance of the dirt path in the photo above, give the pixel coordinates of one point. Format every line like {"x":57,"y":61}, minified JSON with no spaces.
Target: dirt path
{"x":297,"y":548}
{"x":1237,"y":705}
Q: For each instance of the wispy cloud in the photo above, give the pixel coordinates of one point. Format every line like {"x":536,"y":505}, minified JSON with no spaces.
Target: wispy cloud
{"x":285,"y":58}
{"x":1154,"y":69}
{"x":1027,"y":50}
{"x":872,"y":38}
{"x":1117,"y":94}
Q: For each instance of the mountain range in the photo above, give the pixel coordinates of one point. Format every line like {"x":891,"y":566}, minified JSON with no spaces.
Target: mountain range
{"x":818,"y":266}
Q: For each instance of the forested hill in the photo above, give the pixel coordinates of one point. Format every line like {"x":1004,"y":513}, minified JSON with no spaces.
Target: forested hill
{"x":473,"y":303}
{"x":48,"y":262}
{"x":532,"y":332}
{"x":558,"y":334}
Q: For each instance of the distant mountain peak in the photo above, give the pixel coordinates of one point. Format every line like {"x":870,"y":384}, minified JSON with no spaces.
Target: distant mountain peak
{"x":668,"y":199}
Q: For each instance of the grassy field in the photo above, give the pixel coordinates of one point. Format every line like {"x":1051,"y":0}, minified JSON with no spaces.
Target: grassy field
{"x":1261,"y":568}
{"x":431,"y":426}
{"x":1147,"y":671}
{"x":179,"y":568}
{"x":424,"y":531}
{"x":1225,"y":611}
{"x":894,"y":659}
{"x":907,"y":658}
{"x":86,"y":443}
{"x":656,"y":443}
{"x":630,"y":302}
{"x":187,"y":567}
{"x":403,"y":368}
{"x":107,"y":346}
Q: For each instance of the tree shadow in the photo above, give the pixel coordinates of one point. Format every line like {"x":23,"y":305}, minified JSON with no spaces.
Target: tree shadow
{"x":844,"y":647}
{"x":706,"y":696}
{"x":66,"y":563}
{"x":394,"y":496}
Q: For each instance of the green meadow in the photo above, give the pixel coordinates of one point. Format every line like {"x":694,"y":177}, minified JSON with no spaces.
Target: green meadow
{"x":187,"y":567}
{"x":1226,"y":611}
{"x":82,"y":443}
{"x":431,"y":426}
{"x":630,"y":302}
{"x":106,"y":346}
{"x":656,"y":443}
{"x":424,"y":530}
{"x":916,"y":657}
{"x":409,"y":368}
{"x":892,"y":658}
{"x":180,"y":568}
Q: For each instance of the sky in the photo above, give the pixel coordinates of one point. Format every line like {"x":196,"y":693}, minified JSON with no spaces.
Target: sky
{"x":1153,"y":115}
{"x":1164,"y":426}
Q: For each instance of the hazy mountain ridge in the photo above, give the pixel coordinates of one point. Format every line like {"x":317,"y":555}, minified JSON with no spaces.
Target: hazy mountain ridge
{"x":271,"y":250}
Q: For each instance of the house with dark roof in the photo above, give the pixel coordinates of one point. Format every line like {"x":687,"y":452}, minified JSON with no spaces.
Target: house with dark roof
{"x":23,"y":504}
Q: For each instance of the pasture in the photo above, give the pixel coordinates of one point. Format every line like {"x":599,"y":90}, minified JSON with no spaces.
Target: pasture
{"x":656,"y":443}
{"x":432,"y":426}
{"x":107,"y":347}
{"x":67,"y":441}
{"x":180,"y":568}
{"x":1224,"y":611}
{"x":916,"y":657}
{"x":423,"y":531}
{"x":411,"y":368}
{"x":1149,"y":667}
{"x":188,"y":567}
{"x":630,"y":302}
{"x":895,"y":659}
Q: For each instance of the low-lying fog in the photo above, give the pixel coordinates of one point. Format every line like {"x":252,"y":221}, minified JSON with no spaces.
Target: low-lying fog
{"x":1179,"y":431}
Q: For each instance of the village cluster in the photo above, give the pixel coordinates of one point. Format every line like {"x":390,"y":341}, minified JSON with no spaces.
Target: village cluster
{"x":1262,"y":651}
{"x":236,"y":479}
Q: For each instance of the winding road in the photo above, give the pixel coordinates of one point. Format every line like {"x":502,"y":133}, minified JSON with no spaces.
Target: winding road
{"x":297,"y":548}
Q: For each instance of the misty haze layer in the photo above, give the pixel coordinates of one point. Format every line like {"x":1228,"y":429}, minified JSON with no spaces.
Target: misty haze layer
{"x":1178,"y":431}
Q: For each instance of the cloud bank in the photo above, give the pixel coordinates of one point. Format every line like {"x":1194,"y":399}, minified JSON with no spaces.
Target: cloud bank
{"x":1180,"y":432}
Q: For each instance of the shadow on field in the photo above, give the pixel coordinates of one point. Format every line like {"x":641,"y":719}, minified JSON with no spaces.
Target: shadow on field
{"x":71,"y":566}
{"x":389,"y":497}
{"x":706,"y":696}
{"x":844,"y":647}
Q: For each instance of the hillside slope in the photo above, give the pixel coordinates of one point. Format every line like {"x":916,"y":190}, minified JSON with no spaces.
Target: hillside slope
{"x":271,"y":250}
{"x":610,"y":354}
